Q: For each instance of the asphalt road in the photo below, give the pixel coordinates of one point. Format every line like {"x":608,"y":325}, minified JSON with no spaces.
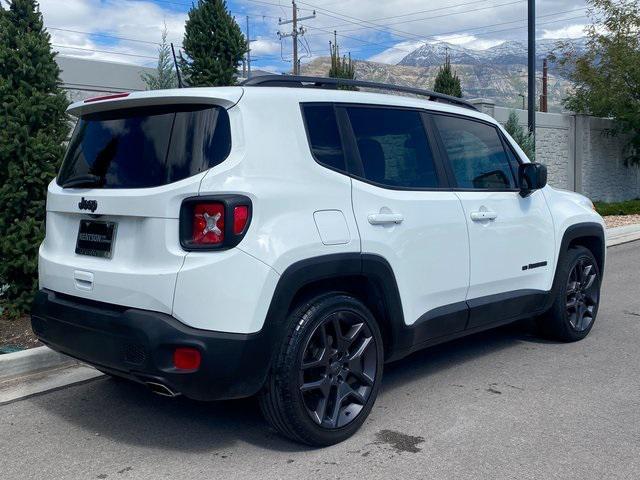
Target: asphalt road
{"x":501,"y":404}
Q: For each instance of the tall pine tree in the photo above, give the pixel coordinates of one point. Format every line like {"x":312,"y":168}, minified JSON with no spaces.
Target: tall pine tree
{"x":447,"y":81}
{"x":34,"y":126}
{"x":214,"y":45}
{"x":165,"y":74}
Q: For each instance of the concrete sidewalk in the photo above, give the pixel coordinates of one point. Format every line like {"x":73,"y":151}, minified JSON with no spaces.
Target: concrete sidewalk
{"x":620,"y":235}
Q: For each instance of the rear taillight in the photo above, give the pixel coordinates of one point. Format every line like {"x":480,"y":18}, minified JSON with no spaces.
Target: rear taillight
{"x":240,"y":218}
{"x":214,"y":222}
{"x":208,"y":224}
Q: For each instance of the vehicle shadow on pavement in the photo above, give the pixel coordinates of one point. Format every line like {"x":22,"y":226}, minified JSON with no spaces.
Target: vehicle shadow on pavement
{"x":129,"y":413}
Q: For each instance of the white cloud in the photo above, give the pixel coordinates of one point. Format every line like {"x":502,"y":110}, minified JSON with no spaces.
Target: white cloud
{"x":570,"y":31}
{"x":264,"y":46}
{"x":137,"y":20}
{"x":396,"y":53}
{"x":469,"y":41}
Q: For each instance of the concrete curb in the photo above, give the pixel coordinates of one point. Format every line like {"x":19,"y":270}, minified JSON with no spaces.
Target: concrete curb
{"x":26,"y":362}
{"x":620,"y":235}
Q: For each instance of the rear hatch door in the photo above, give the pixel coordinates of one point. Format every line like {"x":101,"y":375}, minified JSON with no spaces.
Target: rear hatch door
{"x":112,"y":232}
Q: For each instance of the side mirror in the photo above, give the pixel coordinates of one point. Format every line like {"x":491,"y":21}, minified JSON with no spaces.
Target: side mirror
{"x":531,"y":177}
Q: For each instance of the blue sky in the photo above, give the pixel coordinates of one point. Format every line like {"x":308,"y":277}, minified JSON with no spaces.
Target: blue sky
{"x":384,"y":31}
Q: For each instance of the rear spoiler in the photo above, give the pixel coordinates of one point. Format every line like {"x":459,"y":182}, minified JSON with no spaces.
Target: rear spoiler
{"x":225,"y":97}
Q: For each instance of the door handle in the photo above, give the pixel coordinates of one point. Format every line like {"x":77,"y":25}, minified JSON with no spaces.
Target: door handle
{"x":481,"y":215}
{"x":385,"y":218}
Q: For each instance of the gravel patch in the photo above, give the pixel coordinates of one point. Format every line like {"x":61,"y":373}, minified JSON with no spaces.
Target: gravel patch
{"x":16,"y":334}
{"x":621,"y":220}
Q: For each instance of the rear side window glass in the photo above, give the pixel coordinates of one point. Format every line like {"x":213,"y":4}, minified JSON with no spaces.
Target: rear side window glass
{"x":393,"y":147}
{"x":138,"y":148}
{"x":476,"y":154}
{"x":324,"y":136}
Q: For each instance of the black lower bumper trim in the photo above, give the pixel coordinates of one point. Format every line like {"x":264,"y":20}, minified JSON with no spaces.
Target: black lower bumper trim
{"x":139,"y":344}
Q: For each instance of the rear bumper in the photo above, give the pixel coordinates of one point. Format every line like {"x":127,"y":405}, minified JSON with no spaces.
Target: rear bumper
{"x":139,"y":344}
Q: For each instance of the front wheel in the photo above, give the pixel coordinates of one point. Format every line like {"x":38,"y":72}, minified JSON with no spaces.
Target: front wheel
{"x":575,"y":307}
{"x":325,"y":380}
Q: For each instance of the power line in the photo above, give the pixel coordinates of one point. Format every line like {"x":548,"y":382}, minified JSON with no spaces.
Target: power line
{"x":384,"y":28}
{"x":103,"y":51}
{"x":104,"y":35}
{"x":463,"y":33}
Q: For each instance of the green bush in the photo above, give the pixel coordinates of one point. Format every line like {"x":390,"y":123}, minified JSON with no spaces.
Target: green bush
{"x":34,"y":127}
{"x":630,"y":207}
{"x":521,"y":136}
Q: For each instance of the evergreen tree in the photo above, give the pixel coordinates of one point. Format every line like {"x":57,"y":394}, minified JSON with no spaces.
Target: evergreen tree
{"x":165,"y":74}
{"x":213,"y":43}
{"x":34,"y":127}
{"x":447,"y":81}
{"x":341,"y":67}
{"x":521,"y":136}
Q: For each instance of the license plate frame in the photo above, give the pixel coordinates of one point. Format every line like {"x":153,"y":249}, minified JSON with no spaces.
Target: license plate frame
{"x":96,"y":238}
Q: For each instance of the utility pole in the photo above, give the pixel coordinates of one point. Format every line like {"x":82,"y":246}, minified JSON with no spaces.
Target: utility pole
{"x":295,"y":33}
{"x":545,"y":84}
{"x":248,"y":50}
{"x":531,"y":53}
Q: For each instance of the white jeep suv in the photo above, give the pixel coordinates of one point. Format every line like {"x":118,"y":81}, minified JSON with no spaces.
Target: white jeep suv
{"x":286,"y":238}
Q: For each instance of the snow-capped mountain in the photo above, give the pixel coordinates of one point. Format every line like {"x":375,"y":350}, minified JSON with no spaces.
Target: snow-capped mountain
{"x":498,"y":73}
{"x":507,"y":53}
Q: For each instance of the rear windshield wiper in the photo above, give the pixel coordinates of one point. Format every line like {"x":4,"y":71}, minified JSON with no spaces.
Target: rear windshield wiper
{"x":87,"y":180}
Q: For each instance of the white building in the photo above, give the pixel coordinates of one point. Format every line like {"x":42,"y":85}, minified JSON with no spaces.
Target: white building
{"x":83,"y":78}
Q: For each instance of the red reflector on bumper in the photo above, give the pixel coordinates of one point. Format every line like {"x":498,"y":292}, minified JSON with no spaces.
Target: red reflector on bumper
{"x":185,"y":358}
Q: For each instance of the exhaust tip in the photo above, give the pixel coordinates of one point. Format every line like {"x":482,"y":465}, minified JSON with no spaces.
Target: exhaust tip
{"x":160,"y":389}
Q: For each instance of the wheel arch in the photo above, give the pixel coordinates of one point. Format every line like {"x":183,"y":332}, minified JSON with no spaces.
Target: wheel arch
{"x":367,"y":277}
{"x":587,"y":234}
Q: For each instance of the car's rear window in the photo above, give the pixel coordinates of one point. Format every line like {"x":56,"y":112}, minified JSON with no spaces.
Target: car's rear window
{"x":145,"y":147}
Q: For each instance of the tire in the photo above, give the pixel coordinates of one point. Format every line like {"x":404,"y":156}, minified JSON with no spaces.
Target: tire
{"x":316,"y":366}
{"x":577,"y":297}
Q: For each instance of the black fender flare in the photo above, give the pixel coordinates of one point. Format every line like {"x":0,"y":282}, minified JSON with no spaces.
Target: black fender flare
{"x":373,"y":268}
{"x":572,"y":233}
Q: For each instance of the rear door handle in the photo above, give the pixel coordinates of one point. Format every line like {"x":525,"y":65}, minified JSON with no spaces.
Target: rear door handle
{"x":481,"y":215}
{"x":385,"y":218}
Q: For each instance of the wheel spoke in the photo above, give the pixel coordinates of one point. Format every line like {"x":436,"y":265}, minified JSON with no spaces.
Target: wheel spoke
{"x":590,"y":280}
{"x":322,"y":384}
{"x":353,"y":333}
{"x":586,"y":271}
{"x":321,"y":410}
{"x":572,"y":303}
{"x":342,"y":342}
{"x":572,"y":287}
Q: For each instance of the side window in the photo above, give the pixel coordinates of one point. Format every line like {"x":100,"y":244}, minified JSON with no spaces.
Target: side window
{"x":393,"y":147}
{"x":476,"y":154}
{"x":324,"y":136}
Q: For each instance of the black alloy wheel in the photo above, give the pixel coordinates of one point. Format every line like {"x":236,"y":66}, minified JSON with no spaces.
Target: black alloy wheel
{"x":583,"y":294}
{"x":338,"y":369}
{"x":576,"y":297}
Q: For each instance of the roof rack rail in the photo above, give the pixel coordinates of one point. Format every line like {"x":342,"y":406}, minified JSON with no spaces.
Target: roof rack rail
{"x":297,"y":81}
